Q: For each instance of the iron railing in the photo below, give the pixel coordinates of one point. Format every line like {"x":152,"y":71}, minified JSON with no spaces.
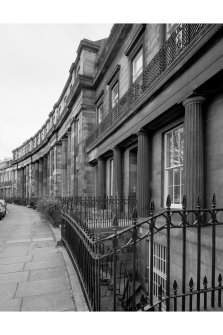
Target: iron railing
{"x":110,"y":267}
{"x":96,"y":214}
{"x":183,"y":35}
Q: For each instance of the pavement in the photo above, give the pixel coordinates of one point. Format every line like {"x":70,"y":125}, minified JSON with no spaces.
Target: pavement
{"x":35,"y":274}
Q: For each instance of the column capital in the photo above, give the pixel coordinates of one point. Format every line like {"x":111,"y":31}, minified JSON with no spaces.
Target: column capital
{"x":115,"y":148}
{"x":64,"y":138}
{"x":141,"y":132}
{"x":73,"y":120}
{"x":58,"y":143}
{"x":196,"y":99}
{"x":100,"y":158}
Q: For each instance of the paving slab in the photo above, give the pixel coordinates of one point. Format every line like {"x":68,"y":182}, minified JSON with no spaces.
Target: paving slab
{"x":38,"y":287}
{"x":57,"y":301}
{"x":7,"y":291}
{"x":55,"y":272}
{"x":14,"y":277}
{"x":11,"y":260}
{"x":12,"y":305}
{"x":44,"y":264}
{"x":14,"y":251}
{"x":15,"y":267}
{"x":24,"y":240}
{"x":44,"y":250}
{"x":47,"y":256}
{"x":34,"y":275}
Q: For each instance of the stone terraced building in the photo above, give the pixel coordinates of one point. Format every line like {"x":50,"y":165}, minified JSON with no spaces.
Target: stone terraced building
{"x":140,"y":115}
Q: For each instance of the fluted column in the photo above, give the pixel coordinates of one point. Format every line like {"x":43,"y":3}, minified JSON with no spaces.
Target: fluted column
{"x":117,"y":172}
{"x":27,"y":181}
{"x":64,"y":166}
{"x":48,"y":175}
{"x":32,"y":187}
{"x":40,"y":177}
{"x":101,"y":178}
{"x":193,"y":150}
{"x":57,"y":169}
{"x":24,"y":182}
{"x":68,"y":163}
{"x":37,"y":179}
{"x":143,"y":173}
{"x":73,"y":157}
{"x":45,"y":175}
{"x":51,"y":171}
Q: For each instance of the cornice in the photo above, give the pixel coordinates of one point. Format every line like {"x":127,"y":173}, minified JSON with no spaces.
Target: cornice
{"x":120,"y":35}
{"x":81,"y":82}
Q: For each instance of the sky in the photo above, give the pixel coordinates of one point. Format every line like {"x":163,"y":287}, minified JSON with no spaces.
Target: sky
{"x":38,"y":43}
{"x":34,"y":65}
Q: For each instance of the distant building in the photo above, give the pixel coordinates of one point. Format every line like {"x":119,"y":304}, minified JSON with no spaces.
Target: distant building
{"x":8,"y":175}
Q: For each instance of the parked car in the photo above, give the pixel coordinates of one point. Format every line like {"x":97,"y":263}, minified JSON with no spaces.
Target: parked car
{"x":2,"y":208}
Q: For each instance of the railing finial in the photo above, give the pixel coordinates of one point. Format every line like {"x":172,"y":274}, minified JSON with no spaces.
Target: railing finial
{"x":151,"y":208}
{"x":213,"y":201}
{"x":134,"y":214}
{"x":168,"y":202}
{"x":184,"y":202}
{"x":205,"y":282}
{"x":175,"y":287}
{"x":191,"y":284}
{"x":198,"y":205}
{"x":115,"y":222}
{"x":220,"y":279}
{"x":160,"y":292}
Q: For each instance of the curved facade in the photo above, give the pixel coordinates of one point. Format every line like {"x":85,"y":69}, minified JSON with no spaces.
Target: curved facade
{"x":52,"y":162}
{"x":135,"y":108}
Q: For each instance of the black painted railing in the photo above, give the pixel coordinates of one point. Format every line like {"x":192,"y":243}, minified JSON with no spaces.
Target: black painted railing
{"x":112,"y":266}
{"x":96,"y":214}
{"x":180,"y":39}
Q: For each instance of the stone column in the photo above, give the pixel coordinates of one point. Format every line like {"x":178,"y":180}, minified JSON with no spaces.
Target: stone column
{"x":73,"y":158}
{"x":101,"y":188}
{"x":64,"y":166}
{"x":37,"y":179}
{"x":27,"y":180}
{"x":143,"y":173}
{"x":57,"y":169}
{"x":48,"y":175}
{"x":44,"y":175}
{"x":68,"y":163}
{"x":24,"y":183}
{"x":193,"y":151}
{"x":117,"y":172}
{"x":32,"y":194}
{"x":51,"y":170}
{"x":40,"y":177}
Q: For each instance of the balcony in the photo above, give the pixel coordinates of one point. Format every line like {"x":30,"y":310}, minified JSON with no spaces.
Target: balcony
{"x":180,"y":39}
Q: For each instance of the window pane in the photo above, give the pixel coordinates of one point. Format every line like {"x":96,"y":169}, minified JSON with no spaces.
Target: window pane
{"x":99,"y":114}
{"x":176,"y":195}
{"x":174,"y":147}
{"x":181,"y":144}
{"x":115,"y":95}
{"x":176,"y":173}
{"x":137,"y":65}
{"x":168,"y":149}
